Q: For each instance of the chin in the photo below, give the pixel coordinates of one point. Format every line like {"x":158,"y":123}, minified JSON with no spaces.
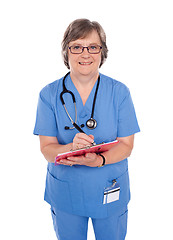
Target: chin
{"x":87,"y":71}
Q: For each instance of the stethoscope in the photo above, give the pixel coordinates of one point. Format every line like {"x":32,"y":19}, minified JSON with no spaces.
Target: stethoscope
{"x":90,"y":123}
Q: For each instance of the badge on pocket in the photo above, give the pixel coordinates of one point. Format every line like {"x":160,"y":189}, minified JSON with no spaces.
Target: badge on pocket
{"x":111,"y":194}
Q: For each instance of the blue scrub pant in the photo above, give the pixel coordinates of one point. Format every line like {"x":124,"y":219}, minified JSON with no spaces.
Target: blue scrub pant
{"x":68,"y":227}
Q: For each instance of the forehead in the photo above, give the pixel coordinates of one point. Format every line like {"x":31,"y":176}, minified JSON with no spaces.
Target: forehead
{"x":92,"y":37}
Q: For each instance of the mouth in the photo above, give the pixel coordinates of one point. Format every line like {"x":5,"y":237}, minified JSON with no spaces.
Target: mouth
{"x":85,"y":63}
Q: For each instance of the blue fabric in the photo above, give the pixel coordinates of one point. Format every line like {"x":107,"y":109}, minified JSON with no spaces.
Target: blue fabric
{"x":79,"y":189}
{"x":68,"y":226}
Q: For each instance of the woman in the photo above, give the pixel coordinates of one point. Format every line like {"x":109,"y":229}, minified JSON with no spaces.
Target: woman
{"x":102,"y":111}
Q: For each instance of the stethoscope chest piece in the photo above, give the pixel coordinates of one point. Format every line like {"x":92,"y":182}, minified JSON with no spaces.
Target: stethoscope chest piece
{"x":91,"y":123}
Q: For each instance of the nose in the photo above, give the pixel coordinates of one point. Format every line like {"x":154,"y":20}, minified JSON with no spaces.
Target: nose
{"x":85,"y":52}
{"x":85,"y":49}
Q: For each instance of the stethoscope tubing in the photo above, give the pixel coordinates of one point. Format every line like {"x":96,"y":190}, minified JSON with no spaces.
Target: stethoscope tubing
{"x":90,"y":121}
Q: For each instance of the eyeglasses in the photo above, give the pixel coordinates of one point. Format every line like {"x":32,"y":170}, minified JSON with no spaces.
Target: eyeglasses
{"x":92,"y":49}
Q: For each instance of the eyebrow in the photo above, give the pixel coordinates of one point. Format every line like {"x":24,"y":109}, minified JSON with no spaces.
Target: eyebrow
{"x":82,"y":45}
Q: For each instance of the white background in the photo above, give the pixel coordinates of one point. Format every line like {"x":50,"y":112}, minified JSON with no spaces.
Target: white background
{"x":140,"y":42}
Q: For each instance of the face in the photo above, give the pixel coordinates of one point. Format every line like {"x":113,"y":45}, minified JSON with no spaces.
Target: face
{"x":85,"y":63}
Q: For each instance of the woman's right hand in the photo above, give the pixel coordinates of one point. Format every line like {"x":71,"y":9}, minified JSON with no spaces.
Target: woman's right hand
{"x":82,"y":140}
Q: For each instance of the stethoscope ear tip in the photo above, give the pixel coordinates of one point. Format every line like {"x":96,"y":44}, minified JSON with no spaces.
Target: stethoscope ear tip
{"x":67,"y":128}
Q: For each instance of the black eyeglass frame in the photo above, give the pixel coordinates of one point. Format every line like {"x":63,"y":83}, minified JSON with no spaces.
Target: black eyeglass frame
{"x":87,"y":50}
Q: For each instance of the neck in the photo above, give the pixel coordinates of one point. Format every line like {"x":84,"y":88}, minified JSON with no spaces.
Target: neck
{"x":84,"y":81}
{"x":84,"y":84}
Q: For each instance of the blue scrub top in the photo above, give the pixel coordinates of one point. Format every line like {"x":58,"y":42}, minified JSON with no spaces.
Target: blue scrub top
{"x":80,"y":189}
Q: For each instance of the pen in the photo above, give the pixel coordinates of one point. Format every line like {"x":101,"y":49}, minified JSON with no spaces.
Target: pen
{"x":80,"y":130}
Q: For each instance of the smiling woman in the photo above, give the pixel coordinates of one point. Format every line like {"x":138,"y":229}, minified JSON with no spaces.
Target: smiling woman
{"x":91,"y":185}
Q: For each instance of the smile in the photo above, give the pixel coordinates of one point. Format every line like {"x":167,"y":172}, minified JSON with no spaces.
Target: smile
{"x":85,"y":63}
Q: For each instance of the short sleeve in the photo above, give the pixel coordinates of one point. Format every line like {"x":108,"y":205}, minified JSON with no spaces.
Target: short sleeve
{"x":45,"y":119}
{"x":127,"y":121}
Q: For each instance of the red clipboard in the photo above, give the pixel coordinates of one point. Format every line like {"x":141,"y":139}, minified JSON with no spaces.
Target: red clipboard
{"x":99,"y":148}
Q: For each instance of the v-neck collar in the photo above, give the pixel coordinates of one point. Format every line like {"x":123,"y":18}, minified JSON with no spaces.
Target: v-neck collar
{"x":89,"y":102}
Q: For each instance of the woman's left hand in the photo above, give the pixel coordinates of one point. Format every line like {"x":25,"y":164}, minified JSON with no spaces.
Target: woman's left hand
{"x":89,"y":159}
